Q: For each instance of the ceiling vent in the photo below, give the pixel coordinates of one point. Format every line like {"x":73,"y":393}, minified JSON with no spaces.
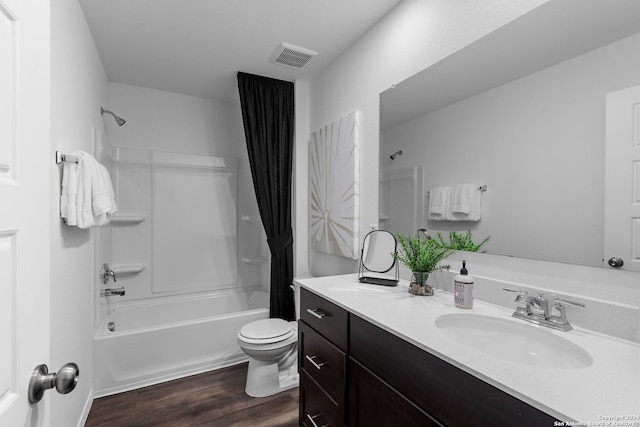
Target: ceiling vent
{"x":291,"y":56}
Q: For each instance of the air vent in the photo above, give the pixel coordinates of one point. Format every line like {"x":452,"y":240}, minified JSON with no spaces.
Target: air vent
{"x":291,"y":56}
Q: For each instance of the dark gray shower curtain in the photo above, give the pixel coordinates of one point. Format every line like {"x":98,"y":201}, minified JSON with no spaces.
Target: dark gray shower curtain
{"x":268,"y":116}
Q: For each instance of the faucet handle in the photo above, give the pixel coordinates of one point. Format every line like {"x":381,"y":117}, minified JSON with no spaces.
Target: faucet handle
{"x":558,"y":301}
{"x":557,"y":304}
{"x":522,"y":297}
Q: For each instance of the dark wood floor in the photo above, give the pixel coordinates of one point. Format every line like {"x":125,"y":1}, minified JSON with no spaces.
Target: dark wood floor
{"x":215,"y":398}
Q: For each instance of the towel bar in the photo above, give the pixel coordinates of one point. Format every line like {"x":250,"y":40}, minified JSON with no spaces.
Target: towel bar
{"x":65,"y":158}
{"x":481,"y":188}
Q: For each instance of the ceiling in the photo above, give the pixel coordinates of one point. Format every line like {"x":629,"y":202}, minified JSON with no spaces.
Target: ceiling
{"x":196,"y":47}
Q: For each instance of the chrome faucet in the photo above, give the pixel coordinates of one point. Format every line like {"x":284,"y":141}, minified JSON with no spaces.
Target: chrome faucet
{"x":112,"y":291}
{"x":537,"y":310}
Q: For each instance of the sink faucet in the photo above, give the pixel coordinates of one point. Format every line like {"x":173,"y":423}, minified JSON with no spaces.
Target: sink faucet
{"x":537,"y":310}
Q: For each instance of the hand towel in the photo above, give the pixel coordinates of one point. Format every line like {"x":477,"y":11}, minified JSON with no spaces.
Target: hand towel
{"x":95,"y":201}
{"x":439,"y":200}
{"x":472,"y":194}
{"x":463,"y":195}
{"x":68,"y":193}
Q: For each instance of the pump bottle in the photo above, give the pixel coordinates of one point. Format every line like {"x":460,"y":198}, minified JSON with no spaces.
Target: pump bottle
{"x":463,"y":288}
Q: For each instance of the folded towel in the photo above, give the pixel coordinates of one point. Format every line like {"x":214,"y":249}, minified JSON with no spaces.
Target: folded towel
{"x":466,"y":203}
{"x":68,"y":193}
{"x":94,"y":199}
{"x":463,"y":196}
{"x":439,"y":200}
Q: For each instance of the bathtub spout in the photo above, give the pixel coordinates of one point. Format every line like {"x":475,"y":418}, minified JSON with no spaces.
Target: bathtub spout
{"x":112,"y":291}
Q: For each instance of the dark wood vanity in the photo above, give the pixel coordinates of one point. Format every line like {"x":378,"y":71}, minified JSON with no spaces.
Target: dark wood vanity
{"x":354,"y":373}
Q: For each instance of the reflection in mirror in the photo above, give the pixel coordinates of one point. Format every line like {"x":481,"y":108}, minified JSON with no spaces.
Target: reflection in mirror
{"x":522,"y":111}
{"x":376,"y":259}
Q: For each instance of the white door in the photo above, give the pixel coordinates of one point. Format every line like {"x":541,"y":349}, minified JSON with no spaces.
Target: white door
{"x":622,"y":179}
{"x":24,"y":206}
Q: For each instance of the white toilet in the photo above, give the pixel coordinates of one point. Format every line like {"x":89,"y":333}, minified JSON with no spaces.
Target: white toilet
{"x":272,"y":347}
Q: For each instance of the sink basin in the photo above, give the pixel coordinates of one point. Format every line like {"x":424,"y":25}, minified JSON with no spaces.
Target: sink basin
{"x":517,"y":342}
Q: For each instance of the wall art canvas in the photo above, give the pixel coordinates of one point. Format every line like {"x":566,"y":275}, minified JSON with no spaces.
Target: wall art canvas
{"x":333,"y":187}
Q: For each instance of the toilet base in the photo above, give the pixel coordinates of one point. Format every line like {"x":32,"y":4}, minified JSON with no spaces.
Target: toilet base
{"x":264,"y":378}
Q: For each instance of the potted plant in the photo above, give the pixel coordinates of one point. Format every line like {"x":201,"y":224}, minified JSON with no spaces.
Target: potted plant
{"x":422,"y":256}
{"x":462,"y":242}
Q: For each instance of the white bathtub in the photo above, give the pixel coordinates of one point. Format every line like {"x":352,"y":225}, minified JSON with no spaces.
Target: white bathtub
{"x":170,"y":338}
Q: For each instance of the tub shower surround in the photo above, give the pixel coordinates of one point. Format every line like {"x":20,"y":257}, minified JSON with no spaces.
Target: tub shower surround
{"x":189,"y":249}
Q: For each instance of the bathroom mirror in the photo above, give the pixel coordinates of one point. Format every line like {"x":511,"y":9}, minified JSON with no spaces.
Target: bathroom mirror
{"x":522,"y":111}
{"x":377,"y":261}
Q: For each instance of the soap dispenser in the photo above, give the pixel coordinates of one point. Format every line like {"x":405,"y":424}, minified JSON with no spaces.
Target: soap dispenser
{"x":463,"y":288}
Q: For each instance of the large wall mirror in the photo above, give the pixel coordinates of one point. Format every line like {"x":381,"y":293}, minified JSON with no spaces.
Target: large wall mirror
{"x":521,"y":111}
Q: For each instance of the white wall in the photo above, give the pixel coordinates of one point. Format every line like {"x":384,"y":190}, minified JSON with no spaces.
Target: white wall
{"x":78,"y":89}
{"x":411,"y":37}
{"x":167,"y":121}
{"x":538,"y":144}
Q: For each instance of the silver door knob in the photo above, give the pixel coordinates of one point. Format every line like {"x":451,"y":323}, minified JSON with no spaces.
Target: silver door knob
{"x":41,"y":380}
{"x":615,"y":262}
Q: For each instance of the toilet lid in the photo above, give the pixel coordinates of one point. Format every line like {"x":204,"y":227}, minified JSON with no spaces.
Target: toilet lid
{"x":266,"y":330}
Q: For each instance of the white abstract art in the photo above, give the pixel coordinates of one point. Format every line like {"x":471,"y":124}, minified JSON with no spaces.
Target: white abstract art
{"x":333,"y":187}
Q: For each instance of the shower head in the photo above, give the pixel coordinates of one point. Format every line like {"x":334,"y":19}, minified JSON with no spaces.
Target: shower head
{"x":396,"y":154}
{"x":119,"y":120}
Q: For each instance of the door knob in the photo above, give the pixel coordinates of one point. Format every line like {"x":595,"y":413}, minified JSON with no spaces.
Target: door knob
{"x":41,"y":380}
{"x":615,"y":262}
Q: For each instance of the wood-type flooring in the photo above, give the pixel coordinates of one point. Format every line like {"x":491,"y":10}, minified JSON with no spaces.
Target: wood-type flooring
{"x":215,"y":398}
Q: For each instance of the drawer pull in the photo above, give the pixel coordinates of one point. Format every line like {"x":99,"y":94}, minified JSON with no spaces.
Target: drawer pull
{"x":316,"y":312}
{"x":312,"y":418}
{"x":317,"y":365}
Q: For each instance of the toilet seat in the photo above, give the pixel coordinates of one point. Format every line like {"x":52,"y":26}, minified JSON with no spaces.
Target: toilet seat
{"x":266,"y":331}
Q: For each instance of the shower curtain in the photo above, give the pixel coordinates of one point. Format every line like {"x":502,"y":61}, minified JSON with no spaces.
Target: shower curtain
{"x":268,"y":116}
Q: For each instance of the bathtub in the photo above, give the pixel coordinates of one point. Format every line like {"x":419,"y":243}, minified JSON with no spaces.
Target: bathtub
{"x":170,"y":338}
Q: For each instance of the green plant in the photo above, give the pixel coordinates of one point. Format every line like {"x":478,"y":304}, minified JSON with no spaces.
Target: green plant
{"x":462,"y":242}
{"x":422,"y":255}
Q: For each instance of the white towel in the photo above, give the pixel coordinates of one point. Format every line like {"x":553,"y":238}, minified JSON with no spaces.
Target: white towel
{"x":69,"y":192}
{"x":462,"y":198}
{"x":94,"y":200}
{"x":439,"y":201}
{"x":466,"y":203}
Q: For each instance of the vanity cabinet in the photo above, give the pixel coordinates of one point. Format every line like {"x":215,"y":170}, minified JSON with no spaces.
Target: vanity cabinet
{"x":355,"y":373}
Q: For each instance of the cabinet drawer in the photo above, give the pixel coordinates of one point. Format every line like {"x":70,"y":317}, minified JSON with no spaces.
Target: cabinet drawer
{"x":323,"y":362}
{"x":316,"y":409}
{"x":327,"y":318}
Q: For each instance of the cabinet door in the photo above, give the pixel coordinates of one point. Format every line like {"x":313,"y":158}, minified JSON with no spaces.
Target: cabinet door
{"x":373,"y":402}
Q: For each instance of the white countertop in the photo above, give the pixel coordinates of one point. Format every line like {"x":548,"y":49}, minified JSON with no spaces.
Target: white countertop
{"x":606,"y":391}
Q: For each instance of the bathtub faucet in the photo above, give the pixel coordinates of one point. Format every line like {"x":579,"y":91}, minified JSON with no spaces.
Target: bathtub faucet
{"x":112,"y":291}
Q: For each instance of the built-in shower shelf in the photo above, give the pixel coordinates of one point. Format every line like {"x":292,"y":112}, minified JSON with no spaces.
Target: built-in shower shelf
{"x":255,"y":259}
{"x":123,"y":270}
{"x":127,"y":219}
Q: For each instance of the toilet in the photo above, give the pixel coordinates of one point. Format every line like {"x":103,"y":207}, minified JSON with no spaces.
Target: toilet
{"x":272,"y":347}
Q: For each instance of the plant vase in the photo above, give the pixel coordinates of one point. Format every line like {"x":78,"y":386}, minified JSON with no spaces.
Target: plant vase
{"x":420,"y":284}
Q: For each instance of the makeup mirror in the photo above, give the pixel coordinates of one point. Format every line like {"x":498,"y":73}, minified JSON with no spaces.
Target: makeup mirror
{"x":377,"y":264}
